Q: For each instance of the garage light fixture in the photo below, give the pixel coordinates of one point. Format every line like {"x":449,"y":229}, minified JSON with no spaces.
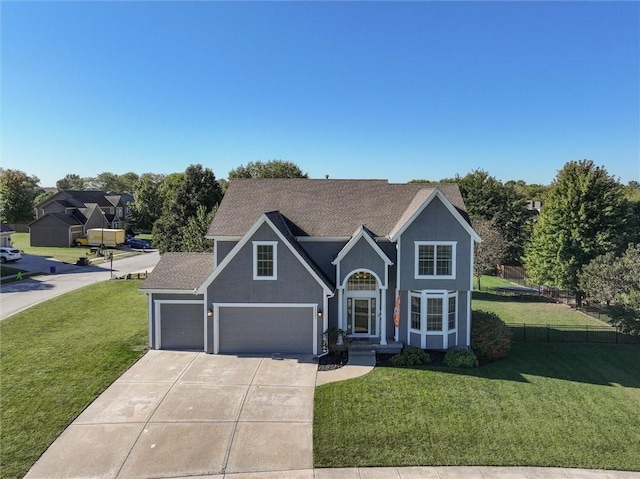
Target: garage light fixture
{"x":319,"y":313}
{"x":210,"y":313}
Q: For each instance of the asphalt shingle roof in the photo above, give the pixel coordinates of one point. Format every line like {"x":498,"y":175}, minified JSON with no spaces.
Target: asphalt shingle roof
{"x":180,"y":271}
{"x":329,"y":208}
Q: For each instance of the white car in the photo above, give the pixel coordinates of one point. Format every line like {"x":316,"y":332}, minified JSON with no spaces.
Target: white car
{"x":9,"y":254}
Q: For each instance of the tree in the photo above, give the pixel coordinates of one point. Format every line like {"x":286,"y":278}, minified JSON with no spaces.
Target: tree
{"x":615,"y":281}
{"x":148,"y":199}
{"x":17,"y":193}
{"x":71,"y":181}
{"x":269,"y":169}
{"x":585,"y":215}
{"x":193,"y":236}
{"x":486,"y":198}
{"x":111,"y":182}
{"x":491,"y":252}
{"x":197,"y":188}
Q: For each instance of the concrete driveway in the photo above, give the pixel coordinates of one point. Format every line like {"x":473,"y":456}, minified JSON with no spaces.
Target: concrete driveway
{"x":177,"y":414}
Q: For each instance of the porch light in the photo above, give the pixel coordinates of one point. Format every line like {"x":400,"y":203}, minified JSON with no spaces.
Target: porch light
{"x":209,"y":313}
{"x":319,"y":313}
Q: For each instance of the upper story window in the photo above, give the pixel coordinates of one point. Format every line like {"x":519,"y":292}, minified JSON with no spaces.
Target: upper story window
{"x":265,"y":260}
{"x":119,"y":212}
{"x":435,"y":259}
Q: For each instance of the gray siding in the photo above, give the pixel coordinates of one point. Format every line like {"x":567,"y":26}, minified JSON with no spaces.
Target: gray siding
{"x":266,"y":330}
{"x":360,"y":256}
{"x":223,"y":248}
{"x":436,"y":223}
{"x":235,"y":284}
{"x":323,"y":253}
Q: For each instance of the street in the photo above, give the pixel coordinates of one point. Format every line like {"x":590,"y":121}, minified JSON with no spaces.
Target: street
{"x":20,"y":295}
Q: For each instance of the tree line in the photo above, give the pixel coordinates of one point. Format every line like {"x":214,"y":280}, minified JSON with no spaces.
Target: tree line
{"x":585,"y":236}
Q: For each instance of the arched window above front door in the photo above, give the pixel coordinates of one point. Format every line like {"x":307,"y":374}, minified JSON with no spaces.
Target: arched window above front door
{"x":361,"y":281}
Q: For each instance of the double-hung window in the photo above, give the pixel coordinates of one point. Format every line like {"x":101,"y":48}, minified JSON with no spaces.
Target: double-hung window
{"x":432,"y":312}
{"x":435,"y":260}
{"x":265,"y":264}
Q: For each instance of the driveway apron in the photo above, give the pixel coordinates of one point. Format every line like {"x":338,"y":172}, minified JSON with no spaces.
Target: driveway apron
{"x":176,"y":414}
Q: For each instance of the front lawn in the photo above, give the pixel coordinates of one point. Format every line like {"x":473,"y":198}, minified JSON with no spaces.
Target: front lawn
{"x":56,"y":357}
{"x":547,"y":404}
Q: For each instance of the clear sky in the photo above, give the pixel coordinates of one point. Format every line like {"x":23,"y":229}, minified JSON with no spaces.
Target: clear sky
{"x":353,"y":90}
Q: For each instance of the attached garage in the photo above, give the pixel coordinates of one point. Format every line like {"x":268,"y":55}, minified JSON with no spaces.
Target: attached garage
{"x":180,"y":325}
{"x":264,"y":328}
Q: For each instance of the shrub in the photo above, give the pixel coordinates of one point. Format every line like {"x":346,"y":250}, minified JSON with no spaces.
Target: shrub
{"x":411,"y":356}
{"x":460,"y":358}
{"x":490,"y":337}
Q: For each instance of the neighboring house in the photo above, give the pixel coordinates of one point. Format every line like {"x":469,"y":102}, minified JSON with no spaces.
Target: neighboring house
{"x":5,"y":235}
{"x":68,"y":215}
{"x":294,"y":257}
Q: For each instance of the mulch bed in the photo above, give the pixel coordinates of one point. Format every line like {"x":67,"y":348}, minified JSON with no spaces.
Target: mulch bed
{"x":333,"y":361}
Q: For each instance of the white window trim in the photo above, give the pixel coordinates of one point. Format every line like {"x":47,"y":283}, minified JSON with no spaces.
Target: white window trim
{"x":417,"y":245}
{"x":424,"y":296}
{"x":274,"y":244}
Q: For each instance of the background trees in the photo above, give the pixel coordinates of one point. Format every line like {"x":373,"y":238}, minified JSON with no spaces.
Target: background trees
{"x":197,"y":188}
{"x":17,"y":194}
{"x":71,"y":182}
{"x":269,"y":169}
{"x":615,"y":281}
{"x":148,"y":199}
{"x":490,"y":252}
{"x":585,"y":215}
{"x":502,"y":206}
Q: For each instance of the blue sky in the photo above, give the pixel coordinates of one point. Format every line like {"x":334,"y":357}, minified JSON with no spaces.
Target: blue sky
{"x":353,"y":90}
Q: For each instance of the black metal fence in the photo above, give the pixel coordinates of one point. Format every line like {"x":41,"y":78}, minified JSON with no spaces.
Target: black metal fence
{"x":569,"y":333}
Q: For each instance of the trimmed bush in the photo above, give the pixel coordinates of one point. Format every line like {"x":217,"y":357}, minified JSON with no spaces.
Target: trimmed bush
{"x":490,"y":337}
{"x":460,"y":358}
{"x":411,"y":356}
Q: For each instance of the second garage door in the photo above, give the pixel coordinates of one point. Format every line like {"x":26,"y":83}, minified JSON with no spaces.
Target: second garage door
{"x":266,"y":330}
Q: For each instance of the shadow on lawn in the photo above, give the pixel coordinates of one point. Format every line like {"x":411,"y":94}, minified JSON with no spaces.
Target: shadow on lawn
{"x":602,"y":364}
{"x":593,"y":363}
{"x":508,"y":298}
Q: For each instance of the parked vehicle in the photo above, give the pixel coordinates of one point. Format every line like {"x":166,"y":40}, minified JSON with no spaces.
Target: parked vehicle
{"x":138,"y":243}
{"x":102,"y":236}
{"x":9,"y":254}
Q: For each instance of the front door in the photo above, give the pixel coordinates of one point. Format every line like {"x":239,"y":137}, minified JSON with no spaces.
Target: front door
{"x":361,"y":316}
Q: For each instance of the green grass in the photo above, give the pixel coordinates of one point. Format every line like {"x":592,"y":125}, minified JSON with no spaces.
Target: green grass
{"x":55,"y":358}
{"x":530,"y":310}
{"x":66,"y":255}
{"x":568,"y":405}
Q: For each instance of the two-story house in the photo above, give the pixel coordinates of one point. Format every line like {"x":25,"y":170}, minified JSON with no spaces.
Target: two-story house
{"x":294,"y":257}
{"x":67,"y":215}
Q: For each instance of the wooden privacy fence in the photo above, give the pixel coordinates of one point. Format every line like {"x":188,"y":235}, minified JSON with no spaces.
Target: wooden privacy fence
{"x":533,"y":333}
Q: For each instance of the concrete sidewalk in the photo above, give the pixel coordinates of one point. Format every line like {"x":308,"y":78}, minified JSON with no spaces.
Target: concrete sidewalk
{"x":433,"y":472}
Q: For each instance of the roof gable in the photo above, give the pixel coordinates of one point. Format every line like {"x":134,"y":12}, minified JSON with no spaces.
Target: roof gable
{"x":362,"y":233}
{"x":417,"y":206}
{"x":278,"y":224}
